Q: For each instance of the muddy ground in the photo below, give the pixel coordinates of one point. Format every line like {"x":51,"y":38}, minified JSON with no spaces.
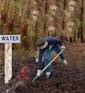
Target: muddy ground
{"x":64,"y":79}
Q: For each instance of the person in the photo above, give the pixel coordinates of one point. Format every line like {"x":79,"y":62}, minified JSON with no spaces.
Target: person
{"x":45,"y":48}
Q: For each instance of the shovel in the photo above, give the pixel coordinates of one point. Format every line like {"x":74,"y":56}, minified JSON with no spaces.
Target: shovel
{"x":33,"y":81}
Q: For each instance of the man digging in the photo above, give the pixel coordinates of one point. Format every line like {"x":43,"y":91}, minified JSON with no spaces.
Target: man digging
{"x":45,"y":48}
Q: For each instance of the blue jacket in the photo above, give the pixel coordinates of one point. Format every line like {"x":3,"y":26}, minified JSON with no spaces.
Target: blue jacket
{"x":52,"y":41}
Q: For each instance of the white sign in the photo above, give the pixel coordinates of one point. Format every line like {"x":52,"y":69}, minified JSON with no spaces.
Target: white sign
{"x":8,"y":40}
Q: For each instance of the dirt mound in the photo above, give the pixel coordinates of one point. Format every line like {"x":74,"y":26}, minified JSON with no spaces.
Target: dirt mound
{"x":63,"y":80}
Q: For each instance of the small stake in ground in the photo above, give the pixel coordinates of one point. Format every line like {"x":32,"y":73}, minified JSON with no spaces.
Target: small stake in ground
{"x":33,"y":81}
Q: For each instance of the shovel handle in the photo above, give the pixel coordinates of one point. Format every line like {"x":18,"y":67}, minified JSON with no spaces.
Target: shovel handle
{"x":48,"y":65}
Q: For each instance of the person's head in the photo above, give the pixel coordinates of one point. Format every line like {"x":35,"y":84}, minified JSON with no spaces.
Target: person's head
{"x":42,"y":43}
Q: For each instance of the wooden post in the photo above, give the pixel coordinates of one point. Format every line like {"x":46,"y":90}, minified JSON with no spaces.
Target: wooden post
{"x":8,"y":62}
{"x":8,"y":40}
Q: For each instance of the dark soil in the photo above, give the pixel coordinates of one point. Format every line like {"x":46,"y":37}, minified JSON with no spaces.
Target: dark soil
{"x":64,"y":79}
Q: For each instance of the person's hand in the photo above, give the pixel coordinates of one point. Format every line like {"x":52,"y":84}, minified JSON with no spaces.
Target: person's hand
{"x":62,"y":47}
{"x":36,"y":60}
{"x":38,"y":73}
